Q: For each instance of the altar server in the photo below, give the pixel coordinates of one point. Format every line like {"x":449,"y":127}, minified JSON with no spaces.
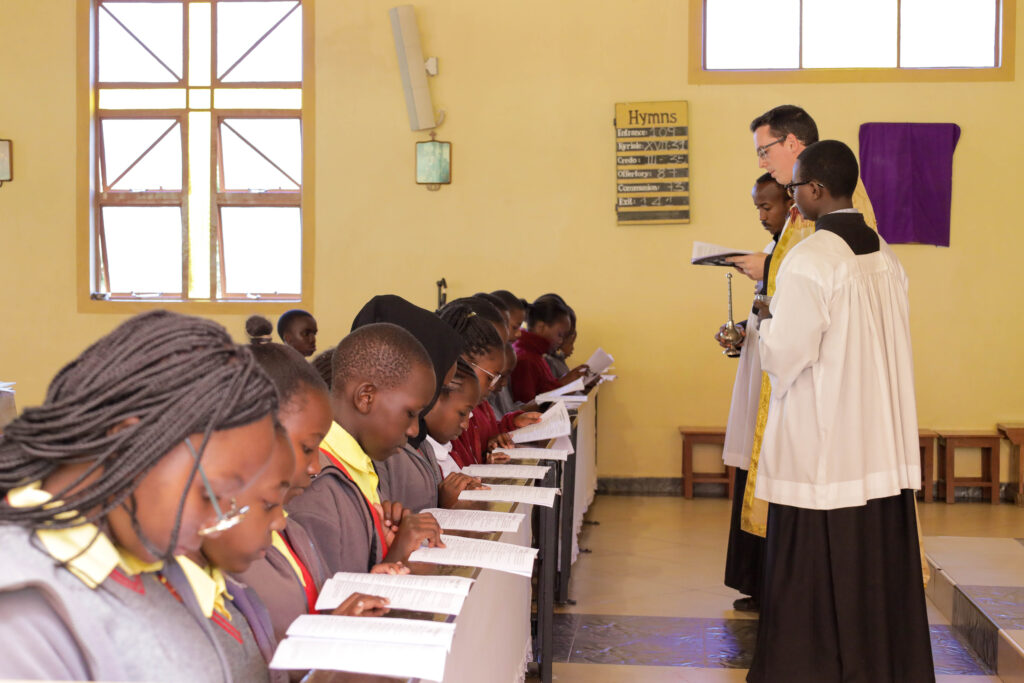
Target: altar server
{"x":744,"y":556}
{"x":843,"y":598}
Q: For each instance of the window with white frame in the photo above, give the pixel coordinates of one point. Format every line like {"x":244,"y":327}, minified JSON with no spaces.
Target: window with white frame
{"x":197,"y":192}
{"x":834,"y":34}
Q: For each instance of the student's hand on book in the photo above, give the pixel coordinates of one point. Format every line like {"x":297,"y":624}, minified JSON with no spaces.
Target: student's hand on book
{"x":498,"y":458}
{"x":530,"y":407}
{"x":393,"y":568}
{"x":455,"y":483}
{"x":526,"y":419}
{"x":414,"y":530}
{"x":573,"y":375}
{"x":502,"y":440}
{"x":751,"y":265}
{"x":362,"y":605}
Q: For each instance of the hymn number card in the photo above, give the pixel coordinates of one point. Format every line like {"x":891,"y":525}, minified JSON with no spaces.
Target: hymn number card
{"x":652,"y":163}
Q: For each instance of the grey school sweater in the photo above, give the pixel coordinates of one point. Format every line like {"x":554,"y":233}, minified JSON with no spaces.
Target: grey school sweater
{"x":54,"y":627}
{"x":409,"y":477}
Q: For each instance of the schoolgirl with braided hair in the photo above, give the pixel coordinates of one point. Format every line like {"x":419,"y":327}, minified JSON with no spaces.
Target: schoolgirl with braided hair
{"x":143,"y":443}
{"x":482,"y":326}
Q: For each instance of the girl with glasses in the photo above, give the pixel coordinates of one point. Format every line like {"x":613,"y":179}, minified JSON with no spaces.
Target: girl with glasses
{"x":144,"y":444}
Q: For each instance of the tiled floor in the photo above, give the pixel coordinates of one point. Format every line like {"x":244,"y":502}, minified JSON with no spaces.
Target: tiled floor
{"x":650,"y":604}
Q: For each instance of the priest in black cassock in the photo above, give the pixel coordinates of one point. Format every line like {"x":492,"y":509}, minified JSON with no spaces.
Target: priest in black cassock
{"x":843,"y":597}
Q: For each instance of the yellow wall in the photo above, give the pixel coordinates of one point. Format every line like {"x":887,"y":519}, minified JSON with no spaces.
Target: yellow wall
{"x":530,"y":89}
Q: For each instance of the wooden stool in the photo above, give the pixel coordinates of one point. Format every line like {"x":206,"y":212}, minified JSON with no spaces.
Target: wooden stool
{"x":707,"y":435}
{"x":949,"y":441}
{"x":1014,"y":433}
{"x":926,"y":440}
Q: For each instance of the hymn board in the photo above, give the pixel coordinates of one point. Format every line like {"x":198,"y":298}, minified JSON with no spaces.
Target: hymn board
{"x":652,"y":163}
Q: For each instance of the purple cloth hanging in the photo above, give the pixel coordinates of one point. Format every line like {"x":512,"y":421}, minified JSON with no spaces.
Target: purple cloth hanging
{"x":907,"y":170}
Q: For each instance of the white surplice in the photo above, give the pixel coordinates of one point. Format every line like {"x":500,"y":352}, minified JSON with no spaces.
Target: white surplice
{"x":842,"y":424}
{"x":746,"y":393}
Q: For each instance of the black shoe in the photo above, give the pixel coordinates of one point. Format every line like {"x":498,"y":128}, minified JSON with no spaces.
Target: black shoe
{"x":746,"y":605}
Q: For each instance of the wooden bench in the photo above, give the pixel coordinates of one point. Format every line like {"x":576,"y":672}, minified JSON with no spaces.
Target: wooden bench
{"x":926,"y":441}
{"x":952,"y":439}
{"x":703,"y":435}
{"x":1014,"y":433}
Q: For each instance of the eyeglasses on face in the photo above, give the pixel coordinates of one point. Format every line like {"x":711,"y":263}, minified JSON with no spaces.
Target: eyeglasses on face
{"x":494,"y":378}
{"x":791,"y":187}
{"x":762,"y":152}
{"x":225,"y":520}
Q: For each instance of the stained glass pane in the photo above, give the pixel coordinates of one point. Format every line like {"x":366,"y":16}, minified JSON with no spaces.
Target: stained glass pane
{"x":143,"y":249}
{"x":257,"y":98}
{"x":262,"y":250}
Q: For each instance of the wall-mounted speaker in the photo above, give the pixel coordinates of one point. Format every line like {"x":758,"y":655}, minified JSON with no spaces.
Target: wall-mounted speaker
{"x":412,"y":67}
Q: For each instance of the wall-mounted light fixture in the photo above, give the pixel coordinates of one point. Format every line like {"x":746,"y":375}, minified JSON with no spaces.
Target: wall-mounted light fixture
{"x":6,"y":167}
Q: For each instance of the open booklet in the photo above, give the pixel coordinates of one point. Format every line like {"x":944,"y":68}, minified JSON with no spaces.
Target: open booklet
{"x":379,"y":658}
{"x":477,"y":520}
{"x":555,"y":394}
{"x":707,"y":254}
{"x":553,"y":424}
{"x":526,"y":453}
{"x":534,"y":495}
{"x":506,"y":471}
{"x":435,"y":594}
{"x":473,"y":552}
{"x":382,"y":629}
{"x":598,"y":362}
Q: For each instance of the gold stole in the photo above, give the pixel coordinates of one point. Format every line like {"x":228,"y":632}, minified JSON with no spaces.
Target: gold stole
{"x":754,"y":516}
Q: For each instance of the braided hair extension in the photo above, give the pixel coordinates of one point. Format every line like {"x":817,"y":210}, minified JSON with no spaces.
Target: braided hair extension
{"x":464,"y":373}
{"x":474,"y":323}
{"x":177,"y":374}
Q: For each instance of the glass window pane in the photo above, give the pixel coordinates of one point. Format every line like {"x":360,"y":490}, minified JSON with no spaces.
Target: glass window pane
{"x":143,"y":248}
{"x":199,"y":43}
{"x":849,"y":34}
{"x":279,"y":139}
{"x":262,"y":250}
{"x":156,"y":25}
{"x":162,"y":98}
{"x":743,"y":34}
{"x":126,"y":140}
{"x":247,"y":169}
{"x":241,"y":24}
{"x":246,"y":98}
{"x":948,"y":33}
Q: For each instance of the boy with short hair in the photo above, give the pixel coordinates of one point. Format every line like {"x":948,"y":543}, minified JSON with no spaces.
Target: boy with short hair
{"x":843,"y":597}
{"x":383,"y":379}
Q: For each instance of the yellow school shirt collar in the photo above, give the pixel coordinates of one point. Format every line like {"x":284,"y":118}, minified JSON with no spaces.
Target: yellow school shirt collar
{"x":208,"y":585}
{"x":344,"y":446}
{"x":85,"y":550}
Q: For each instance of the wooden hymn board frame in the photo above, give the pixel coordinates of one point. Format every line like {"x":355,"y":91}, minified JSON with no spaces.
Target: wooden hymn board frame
{"x":652,"y":163}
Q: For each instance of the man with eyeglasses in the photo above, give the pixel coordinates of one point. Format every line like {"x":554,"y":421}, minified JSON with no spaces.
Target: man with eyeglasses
{"x":842,"y":597}
{"x":780,"y":135}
